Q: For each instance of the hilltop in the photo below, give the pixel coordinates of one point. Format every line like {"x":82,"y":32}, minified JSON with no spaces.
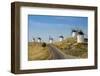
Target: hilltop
{"x":70,"y":47}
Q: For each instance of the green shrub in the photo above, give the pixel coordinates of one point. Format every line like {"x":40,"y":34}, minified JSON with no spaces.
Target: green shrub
{"x":43,"y":44}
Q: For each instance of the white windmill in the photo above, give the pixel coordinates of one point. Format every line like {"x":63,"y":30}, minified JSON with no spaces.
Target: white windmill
{"x":80,"y":37}
{"x":39,"y":39}
{"x":61,"y":38}
{"x":50,"y":40}
{"x":33,"y":40}
{"x":74,"y":33}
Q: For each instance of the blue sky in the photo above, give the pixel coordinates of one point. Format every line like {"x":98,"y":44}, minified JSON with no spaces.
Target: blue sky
{"x":45,"y":25}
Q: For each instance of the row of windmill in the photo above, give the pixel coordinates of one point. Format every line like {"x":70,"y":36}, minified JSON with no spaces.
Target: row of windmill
{"x":78,"y":34}
{"x":51,"y":39}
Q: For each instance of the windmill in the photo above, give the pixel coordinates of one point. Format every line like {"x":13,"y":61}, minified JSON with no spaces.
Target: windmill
{"x":74,"y":32}
{"x":50,"y":39}
{"x":33,"y":39}
{"x":61,"y":38}
{"x":80,"y":36}
{"x":39,"y":39}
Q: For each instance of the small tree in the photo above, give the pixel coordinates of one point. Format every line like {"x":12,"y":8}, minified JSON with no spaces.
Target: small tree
{"x":43,"y":44}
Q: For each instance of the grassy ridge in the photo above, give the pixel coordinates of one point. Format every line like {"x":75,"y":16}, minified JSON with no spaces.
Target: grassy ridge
{"x":70,"y":47}
{"x":37,"y":52}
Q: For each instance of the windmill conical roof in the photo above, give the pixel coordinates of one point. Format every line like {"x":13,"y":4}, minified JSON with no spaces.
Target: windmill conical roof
{"x":39,"y":38}
{"x":74,"y":30}
{"x":80,"y":33}
{"x":61,"y":36}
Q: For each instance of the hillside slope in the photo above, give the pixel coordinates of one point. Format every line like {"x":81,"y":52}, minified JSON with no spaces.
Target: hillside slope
{"x":70,"y":47}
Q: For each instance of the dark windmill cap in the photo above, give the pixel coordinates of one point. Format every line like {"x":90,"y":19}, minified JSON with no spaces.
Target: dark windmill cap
{"x":39,"y":38}
{"x":33,"y":38}
{"x":61,"y":36}
{"x":80,"y":33}
{"x":50,"y":38}
{"x":74,"y":30}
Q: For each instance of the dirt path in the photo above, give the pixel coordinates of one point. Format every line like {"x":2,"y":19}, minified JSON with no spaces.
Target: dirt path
{"x":58,"y":54}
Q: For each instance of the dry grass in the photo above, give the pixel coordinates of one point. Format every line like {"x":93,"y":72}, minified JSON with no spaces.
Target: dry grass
{"x":37,"y":52}
{"x":65,"y":44}
{"x":70,"y":47}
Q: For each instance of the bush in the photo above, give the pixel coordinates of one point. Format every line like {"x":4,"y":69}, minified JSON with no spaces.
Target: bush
{"x":43,"y":44}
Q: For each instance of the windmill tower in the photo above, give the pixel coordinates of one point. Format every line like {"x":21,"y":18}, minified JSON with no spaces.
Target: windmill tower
{"x":74,"y":33}
{"x":80,"y":37}
{"x":61,"y":38}
{"x":50,"y":40}
{"x":33,"y":40}
{"x":39,"y":39}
